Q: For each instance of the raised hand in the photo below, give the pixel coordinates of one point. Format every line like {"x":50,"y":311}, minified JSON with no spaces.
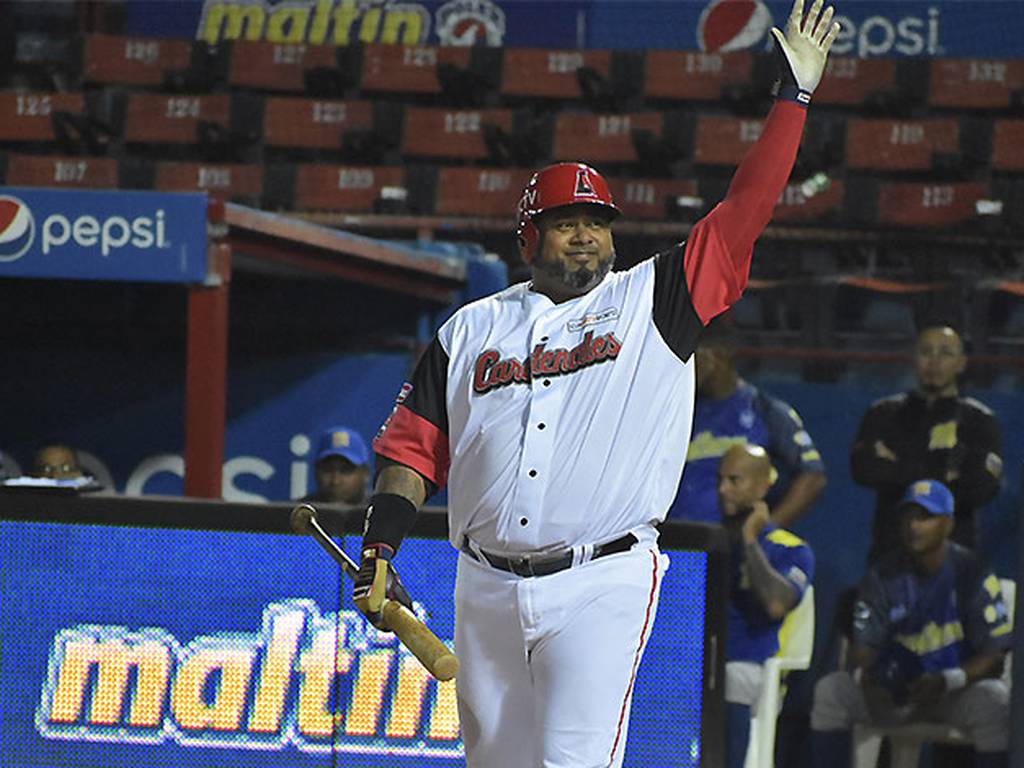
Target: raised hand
{"x":804,"y":47}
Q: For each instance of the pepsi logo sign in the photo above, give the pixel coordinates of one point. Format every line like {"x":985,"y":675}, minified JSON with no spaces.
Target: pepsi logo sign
{"x":732,"y":25}
{"x":17,"y":228}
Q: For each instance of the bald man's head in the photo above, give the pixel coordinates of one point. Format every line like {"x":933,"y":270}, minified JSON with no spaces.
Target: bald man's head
{"x":744,"y":477}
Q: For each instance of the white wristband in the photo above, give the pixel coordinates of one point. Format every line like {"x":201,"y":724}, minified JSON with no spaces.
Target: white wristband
{"x":955,"y":678}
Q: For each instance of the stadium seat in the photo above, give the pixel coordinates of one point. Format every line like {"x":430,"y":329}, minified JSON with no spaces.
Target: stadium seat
{"x":279,"y":67}
{"x":975,"y":83}
{"x":724,"y":140}
{"x":235,"y":182}
{"x":343,"y":187}
{"x":448,"y":133}
{"x":549,"y":74}
{"x":408,"y":69}
{"x":602,"y":138}
{"x":313,"y":123}
{"x":850,"y":81}
{"x":900,"y":145}
{"x":930,"y":205}
{"x":796,"y":645}
{"x":153,"y":118}
{"x":649,"y":199}
{"x":116,"y":60}
{"x":479,"y":191}
{"x":61,"y":171}
{"x":695,"y":76}
{"x":28,"y":117}
{"x":1008,"y":146}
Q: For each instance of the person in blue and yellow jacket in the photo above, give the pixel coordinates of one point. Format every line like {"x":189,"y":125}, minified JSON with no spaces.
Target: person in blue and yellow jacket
{"x":731,"y":411}
{"x":930,"y":634}
{"x":771,"y":570}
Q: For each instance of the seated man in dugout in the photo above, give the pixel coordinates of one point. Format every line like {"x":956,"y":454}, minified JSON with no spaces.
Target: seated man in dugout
{"x":770,"y":571}
{"x":930,"y":633}
{"x":57,"y":462}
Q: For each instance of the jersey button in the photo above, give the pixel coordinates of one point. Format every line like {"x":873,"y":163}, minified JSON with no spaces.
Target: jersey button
{"x":524,"y":522}
{"x":541,"y":425}
{"x":533,"y":473}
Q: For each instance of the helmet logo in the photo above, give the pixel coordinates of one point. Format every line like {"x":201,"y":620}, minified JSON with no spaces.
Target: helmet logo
{"x":583,"y":186}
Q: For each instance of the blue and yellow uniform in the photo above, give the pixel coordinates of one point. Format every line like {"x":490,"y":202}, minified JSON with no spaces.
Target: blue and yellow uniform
{"x":748,"y":416}
{"x":928,"y":624}
{"x":752,"y":634}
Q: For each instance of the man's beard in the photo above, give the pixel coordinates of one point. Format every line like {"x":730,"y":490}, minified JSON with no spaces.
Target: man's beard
{"x":580,"y":280}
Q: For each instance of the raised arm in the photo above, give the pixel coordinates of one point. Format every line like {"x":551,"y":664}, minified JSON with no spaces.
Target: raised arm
{"x":718,"y":250}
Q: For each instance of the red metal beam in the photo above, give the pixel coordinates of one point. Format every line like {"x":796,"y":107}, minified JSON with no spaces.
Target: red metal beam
{"x":206,"y":378}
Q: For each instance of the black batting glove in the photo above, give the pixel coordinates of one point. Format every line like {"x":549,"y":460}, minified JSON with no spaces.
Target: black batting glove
{"x":376,"y":582}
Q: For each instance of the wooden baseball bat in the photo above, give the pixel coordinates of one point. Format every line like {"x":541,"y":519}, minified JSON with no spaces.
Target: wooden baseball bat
{"x":414,"y":634}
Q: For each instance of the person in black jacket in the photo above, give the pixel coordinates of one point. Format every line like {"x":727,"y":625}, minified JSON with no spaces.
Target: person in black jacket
{"x":929,"y":432}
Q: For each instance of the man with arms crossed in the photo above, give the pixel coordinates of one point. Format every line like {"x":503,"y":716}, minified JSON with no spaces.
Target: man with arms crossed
{"x":554,"y":411}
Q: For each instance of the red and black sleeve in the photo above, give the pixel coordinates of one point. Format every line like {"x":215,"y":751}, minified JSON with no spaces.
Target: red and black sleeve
{"x":716,"y":255}
{"x":416,"y":433}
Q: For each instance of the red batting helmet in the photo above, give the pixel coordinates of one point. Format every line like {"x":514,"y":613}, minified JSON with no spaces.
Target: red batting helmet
{"x":553,"y":187}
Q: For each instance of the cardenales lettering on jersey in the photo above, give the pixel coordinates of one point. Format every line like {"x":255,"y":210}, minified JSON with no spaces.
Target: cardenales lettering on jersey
{"x":492,"y":372}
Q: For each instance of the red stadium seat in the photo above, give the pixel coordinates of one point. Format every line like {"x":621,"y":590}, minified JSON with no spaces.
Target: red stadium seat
{"x":691,"y":75}
{"x":850,"y":81}
{"x":343,"y":187}
{"x":648,"y":199}
{"x":313,"y":123}
{"x":116,"y":60}
{"x":974,"y":83}
{"x":28,"y":117}
{"x":59,"y":171}
{"x":479,"y":191}
{"x":795,"y":206}
{"x":1008,"y":145}
{"x":541,"y":73}
{"x":602,"y":138}
{"x":227,"y":181}
{"x":724,"y":140}
{"x":153,"y":118}
{"x":903,"y":145}
{"x":407,"y":69}
{"x":277,"y":66}
{"x":930,"y":205}
{"x":450,"y":133}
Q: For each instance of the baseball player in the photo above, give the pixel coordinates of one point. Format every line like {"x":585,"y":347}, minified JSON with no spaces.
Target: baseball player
{"x":930,"y":635}
{"x":771,"y":570}
{"x":553,"y":411}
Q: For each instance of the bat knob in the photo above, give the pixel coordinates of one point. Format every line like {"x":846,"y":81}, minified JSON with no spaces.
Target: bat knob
{"x":446,"y":667}
{"x":301,"y":517}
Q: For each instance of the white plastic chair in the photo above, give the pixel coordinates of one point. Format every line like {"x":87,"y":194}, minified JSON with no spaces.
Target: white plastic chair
{"x":796,"y":643}
{"x":906,"y":740}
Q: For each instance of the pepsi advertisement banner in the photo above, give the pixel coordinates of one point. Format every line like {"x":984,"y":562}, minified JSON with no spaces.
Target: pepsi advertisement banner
{"x":103,"y":235}
{"x":132,"y":647}
{"x":983,"y":28}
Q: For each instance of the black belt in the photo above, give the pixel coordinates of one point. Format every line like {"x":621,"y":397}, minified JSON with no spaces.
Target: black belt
{"x":545,"y":565}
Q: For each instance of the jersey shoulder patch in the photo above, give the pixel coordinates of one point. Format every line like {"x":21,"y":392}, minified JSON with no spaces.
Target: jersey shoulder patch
{"x":784,"y":538}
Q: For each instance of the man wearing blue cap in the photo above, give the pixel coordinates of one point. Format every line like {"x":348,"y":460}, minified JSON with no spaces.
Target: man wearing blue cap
{"x":930,"y":634}
{"x":342,"y":467}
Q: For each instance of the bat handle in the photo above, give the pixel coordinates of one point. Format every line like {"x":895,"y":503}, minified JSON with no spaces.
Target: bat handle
{"x":421,"y":642}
